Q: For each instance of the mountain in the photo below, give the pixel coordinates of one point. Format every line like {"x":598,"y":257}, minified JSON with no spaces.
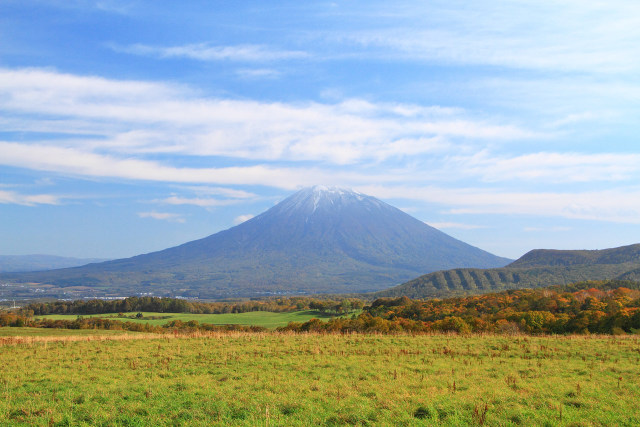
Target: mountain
{"x":317,"y":240}
{"x":22,"y":263}
{"x":537,"y":268}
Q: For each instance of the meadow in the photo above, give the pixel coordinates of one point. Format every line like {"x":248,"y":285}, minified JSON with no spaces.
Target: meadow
{"x":314,"y":379}
{"x":52,"y":333}
{"x":265,"y":319}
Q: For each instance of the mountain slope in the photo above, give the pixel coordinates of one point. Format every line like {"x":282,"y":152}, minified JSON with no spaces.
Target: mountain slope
{"x":537,"y":268}
{"x":317,"y":240}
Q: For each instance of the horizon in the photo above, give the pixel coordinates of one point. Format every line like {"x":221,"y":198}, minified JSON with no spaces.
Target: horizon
{"x":128,"y":128}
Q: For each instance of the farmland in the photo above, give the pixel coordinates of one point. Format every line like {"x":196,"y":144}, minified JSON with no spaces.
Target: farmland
{"x":315,"y":379}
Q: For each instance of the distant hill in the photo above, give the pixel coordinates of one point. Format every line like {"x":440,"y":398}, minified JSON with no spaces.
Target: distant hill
{"x":23,"y":263}
{"x":318,"y":240}
{"x":537,"y":268}
{"x":551,"y":257}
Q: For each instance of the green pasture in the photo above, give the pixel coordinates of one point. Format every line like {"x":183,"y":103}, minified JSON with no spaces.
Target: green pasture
{"x":49,"y":332}
{"x":308,"y":380}
{"x":256,"y":318}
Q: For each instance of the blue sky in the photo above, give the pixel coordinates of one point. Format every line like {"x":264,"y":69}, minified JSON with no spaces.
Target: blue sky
{"x":132,"y":126}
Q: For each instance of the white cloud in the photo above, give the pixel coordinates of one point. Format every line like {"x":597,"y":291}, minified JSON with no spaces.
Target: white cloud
{"x":119,"y":7}
{"x":208,"y":52}
{"x":563,"y":100}
{"x":145,"y":118}
{"x":289,"y":145}
{"x":591,"y":37}
{"x":136,"y":119}
{"x":163,"y":216}
{"x":546,"y":229}
{"x":196,"y":201}
{"x":621,"y":205}
{"x":258,"y":73}
{"x":12,"y":197}
{"x":242,"y":218}
{"x":220,"y":191}
{"x":458,"y":225}
{"x":231,"y":197}
{"x":550,"y":167}
{"x":74,"y":162}
{"x":574,"y":118}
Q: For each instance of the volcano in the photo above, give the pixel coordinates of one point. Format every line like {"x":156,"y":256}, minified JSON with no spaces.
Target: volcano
{"x":318,"y":240}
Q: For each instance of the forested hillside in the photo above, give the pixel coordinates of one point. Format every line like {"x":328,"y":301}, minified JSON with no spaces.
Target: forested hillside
{"x":553,"y":257}
{"x":535,"y":269}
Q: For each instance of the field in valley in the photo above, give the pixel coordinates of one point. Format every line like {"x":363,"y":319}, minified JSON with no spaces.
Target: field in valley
{"x":265,"y":319}
{"x":308,"y":379}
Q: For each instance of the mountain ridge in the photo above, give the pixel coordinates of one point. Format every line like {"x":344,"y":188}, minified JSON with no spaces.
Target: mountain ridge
{"x":537,"y":268}
{"x":546,"y":257}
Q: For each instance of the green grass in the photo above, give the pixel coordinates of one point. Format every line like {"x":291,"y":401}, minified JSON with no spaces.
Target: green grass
{"x":257,"y":318}
{"x":299,"y":380}
{"x":47,"y":332}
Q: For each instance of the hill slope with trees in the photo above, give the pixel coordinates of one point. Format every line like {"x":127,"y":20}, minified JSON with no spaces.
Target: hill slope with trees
{"x":537,"y":268}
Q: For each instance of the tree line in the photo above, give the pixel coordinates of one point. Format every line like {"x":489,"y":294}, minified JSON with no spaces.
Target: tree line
{"x":173,"y":305}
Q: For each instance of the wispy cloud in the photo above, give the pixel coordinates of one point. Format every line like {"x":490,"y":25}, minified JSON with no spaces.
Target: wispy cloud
{"x":163,"y":216}
{"x":80,"y":163}
{"x":458,"y":225}
{"x":565,"y":99}
{"x":155,"y":118}
{"x":209,"y":52}
{"x":288,"y":145}
{"x":205,"y":199}
{"x":196,"y":201}
{"x":114,"y":6}
{"x":242,"y":218}
{"x":621,"y":205}
{"x":220,"y":191}
{"x":120,"y":7}
{"x":546,"y":229}
{"x":558,"y":36}
{"x":574,"y":118}
{"x":12,"y":197}
{"x":554,"y":167}
{"x":258,"y":73}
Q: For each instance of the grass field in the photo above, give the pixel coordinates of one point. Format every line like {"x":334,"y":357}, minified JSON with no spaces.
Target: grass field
{"x":258,"y":318}
{"x":48,"y":332}
{"x":277,"y":379}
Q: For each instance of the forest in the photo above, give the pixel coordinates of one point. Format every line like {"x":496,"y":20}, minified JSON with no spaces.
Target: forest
{"x":600,"y":307}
